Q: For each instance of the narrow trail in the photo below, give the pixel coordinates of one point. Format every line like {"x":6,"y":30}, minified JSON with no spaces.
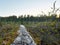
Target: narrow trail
{"x":23,"y":38}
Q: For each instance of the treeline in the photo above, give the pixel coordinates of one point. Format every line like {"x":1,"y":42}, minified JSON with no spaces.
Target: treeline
{"x":29,"y":18}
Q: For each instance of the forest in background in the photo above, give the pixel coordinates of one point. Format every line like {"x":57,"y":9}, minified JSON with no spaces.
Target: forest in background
{"x":22,"y":19}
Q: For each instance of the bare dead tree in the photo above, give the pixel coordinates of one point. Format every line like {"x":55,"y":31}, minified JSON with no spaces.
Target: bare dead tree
{"x":54,"y":9}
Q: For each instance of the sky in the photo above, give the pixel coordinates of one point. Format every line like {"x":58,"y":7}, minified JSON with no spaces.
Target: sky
{"x":25,"y":7}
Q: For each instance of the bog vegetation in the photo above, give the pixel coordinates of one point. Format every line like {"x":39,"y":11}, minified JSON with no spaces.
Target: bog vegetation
{"x":45,"y":30}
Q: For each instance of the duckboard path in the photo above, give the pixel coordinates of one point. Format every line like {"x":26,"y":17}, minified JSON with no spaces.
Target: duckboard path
{"x":23,"y":38}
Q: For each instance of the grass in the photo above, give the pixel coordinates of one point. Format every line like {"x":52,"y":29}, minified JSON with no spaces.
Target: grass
{"x":46,"y":33}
